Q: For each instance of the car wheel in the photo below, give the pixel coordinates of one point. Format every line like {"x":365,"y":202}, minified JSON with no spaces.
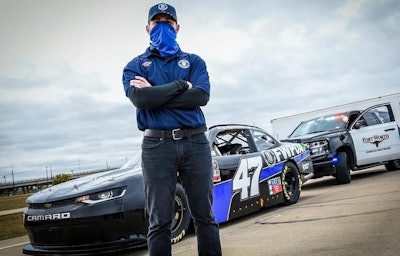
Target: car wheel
{"x":393,"y":165}
{"x":343,"y":175}
{"x":291,"y":183}
{"x":182,"y":218}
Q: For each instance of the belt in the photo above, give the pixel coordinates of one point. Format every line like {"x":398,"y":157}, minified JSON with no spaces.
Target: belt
{"x":175,"y":134}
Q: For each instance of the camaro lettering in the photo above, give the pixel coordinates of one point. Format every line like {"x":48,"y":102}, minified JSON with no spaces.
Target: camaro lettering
{"x":55,"y":216}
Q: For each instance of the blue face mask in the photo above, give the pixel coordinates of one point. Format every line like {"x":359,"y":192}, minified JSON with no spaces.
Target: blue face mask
{"x":162,"y":38}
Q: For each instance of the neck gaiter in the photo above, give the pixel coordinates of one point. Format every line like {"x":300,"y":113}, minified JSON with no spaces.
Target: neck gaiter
{"x":163,"y":38}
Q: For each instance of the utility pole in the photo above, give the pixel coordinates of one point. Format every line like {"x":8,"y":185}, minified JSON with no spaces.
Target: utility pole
{"x":12,"y":173}
{"x":47,"y":176}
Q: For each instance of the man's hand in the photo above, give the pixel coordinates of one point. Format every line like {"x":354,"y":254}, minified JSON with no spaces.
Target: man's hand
{"x":139,"y":82}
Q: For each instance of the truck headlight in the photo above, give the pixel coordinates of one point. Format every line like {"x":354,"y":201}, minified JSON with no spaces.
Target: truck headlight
{"x":318,"y":147}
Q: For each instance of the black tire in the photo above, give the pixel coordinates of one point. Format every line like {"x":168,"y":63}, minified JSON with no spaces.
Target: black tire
{"x":393,"y":165}
{"x":291,"y":183}
{"x":343,"y":175}
{"x":182,"y":218}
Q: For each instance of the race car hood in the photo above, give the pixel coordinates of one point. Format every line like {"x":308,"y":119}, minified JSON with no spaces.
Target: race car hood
{"x":89,"y":184}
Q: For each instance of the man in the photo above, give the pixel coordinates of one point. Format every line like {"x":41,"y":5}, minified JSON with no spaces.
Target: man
{"x":168,"y":86}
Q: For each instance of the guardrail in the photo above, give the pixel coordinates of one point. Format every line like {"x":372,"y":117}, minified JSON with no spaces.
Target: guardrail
{"x":25,"y":186}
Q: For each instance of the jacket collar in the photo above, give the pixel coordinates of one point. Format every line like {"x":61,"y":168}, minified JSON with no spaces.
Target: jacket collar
{"x":154,"y":53}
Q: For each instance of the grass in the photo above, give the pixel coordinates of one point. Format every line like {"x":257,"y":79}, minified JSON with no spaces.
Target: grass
{"x":13,"y":202}
{"x":11,"y":225}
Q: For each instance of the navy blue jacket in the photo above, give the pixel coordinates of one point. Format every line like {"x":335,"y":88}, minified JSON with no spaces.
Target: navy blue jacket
{"x":168,"y":104}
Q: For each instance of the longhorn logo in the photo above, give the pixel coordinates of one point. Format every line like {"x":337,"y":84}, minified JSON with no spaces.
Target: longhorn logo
{"x":376,"y":142}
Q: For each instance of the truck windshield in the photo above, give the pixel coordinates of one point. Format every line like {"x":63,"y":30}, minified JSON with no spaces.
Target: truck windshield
{"x":321,"y":124}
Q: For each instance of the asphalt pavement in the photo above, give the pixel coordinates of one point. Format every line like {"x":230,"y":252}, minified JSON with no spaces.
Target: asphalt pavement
{"x":360,"y":218}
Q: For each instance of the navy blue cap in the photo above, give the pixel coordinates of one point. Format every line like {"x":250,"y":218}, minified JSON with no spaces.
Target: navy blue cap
{"x":162,"y":8}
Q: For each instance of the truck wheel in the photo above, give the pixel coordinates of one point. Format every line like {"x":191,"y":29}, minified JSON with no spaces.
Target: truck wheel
{"x":182,"y":217}
{"x":343,"y":175}
{"x":291,"y":183}
{"x":393,"y":165}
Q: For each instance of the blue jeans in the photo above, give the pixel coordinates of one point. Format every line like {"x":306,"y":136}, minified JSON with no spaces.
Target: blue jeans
{"x":162,"y":159}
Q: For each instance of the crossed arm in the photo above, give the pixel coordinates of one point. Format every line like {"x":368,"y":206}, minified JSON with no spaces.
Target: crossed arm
{"x":178,"y":94}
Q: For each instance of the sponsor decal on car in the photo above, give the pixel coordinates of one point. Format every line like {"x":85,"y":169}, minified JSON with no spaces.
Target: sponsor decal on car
{"x":305,"y":166}
{"x":282,"y":153}
{"x":274,"y":186}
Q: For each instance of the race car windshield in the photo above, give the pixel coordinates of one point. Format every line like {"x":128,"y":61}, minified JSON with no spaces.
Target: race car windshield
{"x":135,"y":161}
{"x":321,"y":124}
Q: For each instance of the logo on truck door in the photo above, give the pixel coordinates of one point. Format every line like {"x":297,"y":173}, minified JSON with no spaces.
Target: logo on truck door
{"x":376,"y":139}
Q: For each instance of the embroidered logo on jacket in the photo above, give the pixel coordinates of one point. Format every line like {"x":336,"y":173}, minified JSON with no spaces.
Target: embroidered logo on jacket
{"x":146,"y":64}
{"x":184,"y":64}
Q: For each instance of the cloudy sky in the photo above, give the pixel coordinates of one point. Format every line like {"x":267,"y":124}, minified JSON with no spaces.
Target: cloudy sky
{"x":62,"y":104}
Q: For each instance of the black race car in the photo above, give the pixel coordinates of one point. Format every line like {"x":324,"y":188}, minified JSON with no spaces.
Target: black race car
{"x":104,"y":212}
